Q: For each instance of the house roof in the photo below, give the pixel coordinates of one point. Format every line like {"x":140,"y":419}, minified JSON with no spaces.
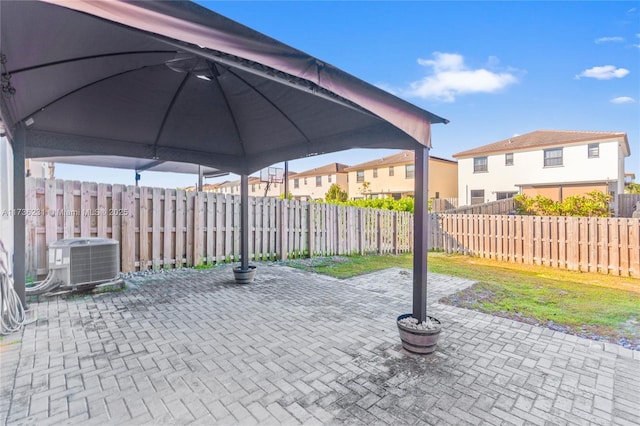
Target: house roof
{"x":321,"y":171}
{"x":404,"y":157}
{"x":542,"y":138}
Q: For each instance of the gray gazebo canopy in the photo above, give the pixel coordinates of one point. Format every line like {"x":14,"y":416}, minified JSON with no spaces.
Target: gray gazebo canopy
{"x":174,"y":81}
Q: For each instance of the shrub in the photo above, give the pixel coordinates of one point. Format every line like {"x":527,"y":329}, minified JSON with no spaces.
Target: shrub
{"x":335,"y":193}
{"x":632,"y":188}
{"x":594,"y":203}
{"x":404,"y":204}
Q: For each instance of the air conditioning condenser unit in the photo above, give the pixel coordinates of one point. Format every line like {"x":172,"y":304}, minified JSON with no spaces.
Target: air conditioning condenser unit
{"x":79,"y":262}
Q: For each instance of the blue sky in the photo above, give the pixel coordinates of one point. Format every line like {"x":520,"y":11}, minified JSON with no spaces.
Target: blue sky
{"x":495,"y":69}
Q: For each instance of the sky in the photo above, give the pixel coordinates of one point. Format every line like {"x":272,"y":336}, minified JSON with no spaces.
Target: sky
{"x":494,"y":69}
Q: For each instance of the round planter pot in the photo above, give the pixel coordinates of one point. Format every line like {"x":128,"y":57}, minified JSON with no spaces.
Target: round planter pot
{"x":244,"y":277}
{"x":419,"y":341}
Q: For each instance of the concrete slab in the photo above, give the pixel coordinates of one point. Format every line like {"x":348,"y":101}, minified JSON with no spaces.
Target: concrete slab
{"x":189,"y":347}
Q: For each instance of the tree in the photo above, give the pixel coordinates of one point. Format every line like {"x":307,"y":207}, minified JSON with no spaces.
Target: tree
{"x":632,"y":188}
{"x":335,"y":193}
{"x":365,"y":189}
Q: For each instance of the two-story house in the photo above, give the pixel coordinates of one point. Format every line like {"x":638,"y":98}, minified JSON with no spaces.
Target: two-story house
{"x":393,"y":176}
{"x":552,"y":163}
{"x":315,"y":183}
{"x":257,"y":188}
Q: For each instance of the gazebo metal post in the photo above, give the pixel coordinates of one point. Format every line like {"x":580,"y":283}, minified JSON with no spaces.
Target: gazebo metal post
{"x":244,"y":222}
{"x":286,"y":180}
{"x":18,"y":143}
{"x":420,"y":233}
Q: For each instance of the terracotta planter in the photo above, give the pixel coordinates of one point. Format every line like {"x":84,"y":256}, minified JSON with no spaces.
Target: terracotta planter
{"x":244,"y":277}
{"x":416,"y":340}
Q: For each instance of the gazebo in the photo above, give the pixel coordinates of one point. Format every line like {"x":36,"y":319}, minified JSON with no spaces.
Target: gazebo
{"x":174,"y":81}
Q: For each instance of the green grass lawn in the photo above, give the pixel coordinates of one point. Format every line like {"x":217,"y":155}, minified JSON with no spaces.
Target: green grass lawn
{"x":590,"y":305}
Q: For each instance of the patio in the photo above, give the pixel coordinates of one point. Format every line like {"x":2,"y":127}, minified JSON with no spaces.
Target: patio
{"x":190,"y":346}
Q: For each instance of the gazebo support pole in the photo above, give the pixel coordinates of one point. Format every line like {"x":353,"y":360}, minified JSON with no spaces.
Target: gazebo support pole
{"x":286,"y":180}
{"x":244,"y":222}
{"x":420,"y":233}
{"x":19,"y":245}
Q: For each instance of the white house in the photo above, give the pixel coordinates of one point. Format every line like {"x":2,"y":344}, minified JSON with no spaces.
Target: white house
{"x":552,"y":163}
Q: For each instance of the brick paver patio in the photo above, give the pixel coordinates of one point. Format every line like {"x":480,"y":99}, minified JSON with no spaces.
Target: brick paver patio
{"x":192,"y":347}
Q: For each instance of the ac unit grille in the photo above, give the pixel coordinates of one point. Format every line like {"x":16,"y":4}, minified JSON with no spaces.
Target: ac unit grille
{"x":93,"y":263}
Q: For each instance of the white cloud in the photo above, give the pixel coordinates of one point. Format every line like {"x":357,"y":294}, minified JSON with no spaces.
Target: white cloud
{"x":606,"y":72}
{"x":450,"y":77}
{"x":623,"y":100}
{"x":609,"y":39}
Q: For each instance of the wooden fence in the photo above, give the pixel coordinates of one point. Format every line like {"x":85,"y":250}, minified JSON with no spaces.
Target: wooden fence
{"x":166,"y":228}
{"x":439,"y":205}
{"x":493,"y":207}
{"x":603,"y":245}
{"x":627,"y":204}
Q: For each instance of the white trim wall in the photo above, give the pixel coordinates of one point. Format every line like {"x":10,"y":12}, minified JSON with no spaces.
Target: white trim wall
{"x":6,"y":198}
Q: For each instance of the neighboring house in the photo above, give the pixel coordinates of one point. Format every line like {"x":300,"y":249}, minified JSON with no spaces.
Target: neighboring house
{"x":257,"y":188}
{"x":39,"y":169}
{"x":552,"y":163}
{"x":315,"y":183}
{"x":393,"y":176}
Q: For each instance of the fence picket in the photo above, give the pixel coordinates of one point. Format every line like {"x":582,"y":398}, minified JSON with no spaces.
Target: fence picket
{"x":102,"y":211}
{"x":181,"y":220}
{"x":623,"y":229}
{"x":614,"y":247}
{"x":128,"y":242}
{"x":168,"y":228}
{"x":634,"y":248}
{"x":156,"y":222}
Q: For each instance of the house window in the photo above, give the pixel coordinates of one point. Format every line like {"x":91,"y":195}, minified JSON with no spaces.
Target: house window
{"x":329,"y":178}
{"x":296,"y":183}
{"x":594,"y":150}
{"x":477,"y":196}
{"x":305,"y":181}
{"x":504,"y":195}
{"x":360,"y":176}
{"x":437,"y":195}
{"x":553,"y":157}
{"x":390,"y":170}
{"x":508,"y":159}
{"x":480,"y":165}
{"x":253,"y":187}
{"x":318,"y":180}
{"x":409,"y":171}
{"x":375,"y":173}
